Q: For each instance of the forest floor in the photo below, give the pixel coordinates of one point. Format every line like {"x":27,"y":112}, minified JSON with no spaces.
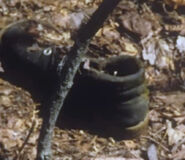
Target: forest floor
{"x":152,"y":30}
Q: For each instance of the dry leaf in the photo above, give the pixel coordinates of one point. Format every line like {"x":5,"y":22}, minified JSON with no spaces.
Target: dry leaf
{"x":113,"y":158}
{"x":5,"y":100}
{"x":129,"y":47}
{"x":130,"y":144}
{"x":135,"y":23}
{"x":180,"y":155}
{"x":158,"y":52}
{"x":173,"y":135}
{"x":69,"y":21}
{"x":180,"y":44}
{"x":152,"y":152}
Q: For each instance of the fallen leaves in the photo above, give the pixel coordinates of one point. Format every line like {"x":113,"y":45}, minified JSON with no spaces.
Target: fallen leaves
{"x":135,"y":23}
{"x":179,"y":155}
{"x":180,"y":44}
{"x":70,"y":21}
{"x":169,"y":108}
{"x":165,"y":137}
{"x":16,"y":118}
{"x":174,"y":135}
{"x":159,"y":53}
{"x":175,"y":3}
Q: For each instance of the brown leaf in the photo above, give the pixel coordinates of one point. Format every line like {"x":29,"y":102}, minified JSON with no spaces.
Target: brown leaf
{"x":158,"y":52}
{"x":130,"y":144}
{"x":133,"y":22}
{"x":69,"y":21}
{"x":5,"y":101}
{"x":174,"y":135}
{"x":179,"y":155}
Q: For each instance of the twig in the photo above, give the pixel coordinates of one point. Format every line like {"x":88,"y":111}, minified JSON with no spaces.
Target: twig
{"x":26,"y":140}
{"x":67,"y":69}
{"x":155,"y":141}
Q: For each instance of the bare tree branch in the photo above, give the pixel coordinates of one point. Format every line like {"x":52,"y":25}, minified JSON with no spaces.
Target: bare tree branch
{"x":68,"y":67}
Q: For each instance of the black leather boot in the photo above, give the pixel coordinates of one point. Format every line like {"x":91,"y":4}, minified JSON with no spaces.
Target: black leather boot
{"x":27,"y":63}
{"x":19,"y":47}
{"x":113,"y":88}
{"x":113,"y":92}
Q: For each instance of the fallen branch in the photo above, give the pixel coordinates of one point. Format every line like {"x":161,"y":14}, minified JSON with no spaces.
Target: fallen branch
{"x":68,"y":68}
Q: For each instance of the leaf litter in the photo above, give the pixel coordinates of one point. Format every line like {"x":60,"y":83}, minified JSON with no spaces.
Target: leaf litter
{"x":138,"y":29}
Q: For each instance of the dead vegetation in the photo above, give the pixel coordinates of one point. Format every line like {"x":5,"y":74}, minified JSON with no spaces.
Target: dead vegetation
{"x":143,"y":29}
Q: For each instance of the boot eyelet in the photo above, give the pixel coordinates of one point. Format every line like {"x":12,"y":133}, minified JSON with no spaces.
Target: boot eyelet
{"x":48,"y":51}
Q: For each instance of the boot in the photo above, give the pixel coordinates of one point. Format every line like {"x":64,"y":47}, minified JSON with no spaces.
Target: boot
{"x":115,"y":90}
{"x":19,"y":47}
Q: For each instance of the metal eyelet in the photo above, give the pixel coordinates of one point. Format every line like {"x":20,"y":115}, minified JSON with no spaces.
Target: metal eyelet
{"x":48,"y":51}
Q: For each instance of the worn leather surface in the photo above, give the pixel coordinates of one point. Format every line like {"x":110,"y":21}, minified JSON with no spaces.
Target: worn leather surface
{"x":121,"y":99}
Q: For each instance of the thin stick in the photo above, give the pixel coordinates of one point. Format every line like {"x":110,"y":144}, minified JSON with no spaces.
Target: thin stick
{"x":68,"y":68}
{"x":26,"y":140}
